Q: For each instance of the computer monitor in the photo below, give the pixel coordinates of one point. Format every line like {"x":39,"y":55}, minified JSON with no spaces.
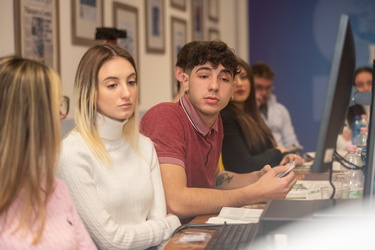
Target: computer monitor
{"x":280,"y":213}
{"x":337,"y":97}
{"x":368,"y":188}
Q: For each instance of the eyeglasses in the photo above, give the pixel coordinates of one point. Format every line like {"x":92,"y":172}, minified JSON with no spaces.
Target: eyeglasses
{"x":261,"y":88}
{"x":64,"y":106}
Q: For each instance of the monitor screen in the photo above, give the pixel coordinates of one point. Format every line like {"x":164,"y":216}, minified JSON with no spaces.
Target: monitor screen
{"x":337,"y":96}
{"x":368,"y":188}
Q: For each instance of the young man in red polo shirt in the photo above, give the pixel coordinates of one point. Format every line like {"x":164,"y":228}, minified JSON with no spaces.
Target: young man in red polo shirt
{"x":188,"y":137}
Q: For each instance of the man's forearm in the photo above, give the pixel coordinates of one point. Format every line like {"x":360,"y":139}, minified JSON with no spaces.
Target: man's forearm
{"x":230,"y":180}
{"x":198,"y":201}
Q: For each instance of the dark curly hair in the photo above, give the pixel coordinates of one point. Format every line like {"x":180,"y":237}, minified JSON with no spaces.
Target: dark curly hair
{"x":215,"y":52}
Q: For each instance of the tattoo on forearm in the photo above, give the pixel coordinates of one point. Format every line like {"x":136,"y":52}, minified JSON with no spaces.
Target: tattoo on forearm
{"x":225,"y":177}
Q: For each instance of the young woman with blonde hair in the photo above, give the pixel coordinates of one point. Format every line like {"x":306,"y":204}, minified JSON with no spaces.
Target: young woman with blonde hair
{"x":35,"y":208}
{"x":112,"y":170}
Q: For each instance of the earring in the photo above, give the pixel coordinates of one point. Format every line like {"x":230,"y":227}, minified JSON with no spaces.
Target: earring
{"x":232,"y":98}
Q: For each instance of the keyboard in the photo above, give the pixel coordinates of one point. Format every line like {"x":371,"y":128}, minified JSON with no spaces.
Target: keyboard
{"x":232,"y":236}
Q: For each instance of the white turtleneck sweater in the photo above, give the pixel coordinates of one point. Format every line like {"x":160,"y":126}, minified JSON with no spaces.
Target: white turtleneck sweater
{"x":122,"y":206}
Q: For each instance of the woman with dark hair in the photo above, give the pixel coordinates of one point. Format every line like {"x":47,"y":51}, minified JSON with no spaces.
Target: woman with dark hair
{"x":362,"y":82}
{"x":248,"y":143}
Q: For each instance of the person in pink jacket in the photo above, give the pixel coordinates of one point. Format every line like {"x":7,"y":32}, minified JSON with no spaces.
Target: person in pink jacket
{"x":36,"y":211}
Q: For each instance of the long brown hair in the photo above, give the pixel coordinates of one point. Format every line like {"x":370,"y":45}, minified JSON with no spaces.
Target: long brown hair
{"x":29,"y":140}
{"x":258,"y":136}
{"x":86,"y":91}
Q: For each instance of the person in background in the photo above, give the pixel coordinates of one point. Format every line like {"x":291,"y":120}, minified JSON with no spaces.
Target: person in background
{"x":64,"y":106}
{"x":188,"y":140}
{"x":362,"y":82}
{"x":112,"y":171}
{"x":248,"y":143}
{"x":180,"y":68}
{"x":275,"y":114}
{"x":36,"y":211}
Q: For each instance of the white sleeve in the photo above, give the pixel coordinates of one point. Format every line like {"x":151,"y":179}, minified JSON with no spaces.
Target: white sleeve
{"x":288,"y":133}
{"x":158,"y":208}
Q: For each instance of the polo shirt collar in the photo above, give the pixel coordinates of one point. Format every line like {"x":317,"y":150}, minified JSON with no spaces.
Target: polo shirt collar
{"x":194,"y":118}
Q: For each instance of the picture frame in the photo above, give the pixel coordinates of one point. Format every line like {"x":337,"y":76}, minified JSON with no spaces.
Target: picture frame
{"x":213,"y":10}
{"x":37,"y":33}
{"x":213,"y":34}
{"x":155,"y":31}
{"x":125,"y":17}
{"x":197,"y":20}
{"x":179,"y":4}
{"x":178,"y":40}
{"x":86,"y":17}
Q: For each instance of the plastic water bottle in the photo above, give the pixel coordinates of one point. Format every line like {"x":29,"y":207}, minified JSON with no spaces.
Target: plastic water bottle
{"x":364,"y":122}
{"x":364,"y":156}
{"x":361,"y":139}
{"x":356,"y":127}
{"x":352,"y":176}
{"x":361,"y":142}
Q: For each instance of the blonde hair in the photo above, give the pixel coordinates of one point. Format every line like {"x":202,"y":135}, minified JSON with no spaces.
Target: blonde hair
{"x":86,"y":92}
{"x":29,"y":140}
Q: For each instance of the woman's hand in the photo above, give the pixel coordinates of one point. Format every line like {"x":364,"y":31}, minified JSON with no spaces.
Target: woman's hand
{"x":292,"y":157}
{"x":282,"y":150}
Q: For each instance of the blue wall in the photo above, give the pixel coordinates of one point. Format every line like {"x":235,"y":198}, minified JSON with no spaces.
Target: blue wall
{"x":296,"y":38}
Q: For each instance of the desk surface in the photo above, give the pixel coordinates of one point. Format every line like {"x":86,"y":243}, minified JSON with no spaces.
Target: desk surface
{"x":175,"y":244}
{"x":310,"y":176}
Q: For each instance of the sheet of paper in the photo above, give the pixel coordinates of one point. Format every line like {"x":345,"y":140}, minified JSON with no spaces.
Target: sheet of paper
{"x":237,"y":215}
{"x":306,"y":190}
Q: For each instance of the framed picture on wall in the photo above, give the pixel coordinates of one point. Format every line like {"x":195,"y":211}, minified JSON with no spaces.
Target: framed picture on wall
{"x":155,"y":33}
{"x":178,"y":4}
{"x":178,"y":40}
{"x":86,"y":17}
{"x":37,"y":31}
{"x":213,"y":10}
{"x":125,"y":17}
{"x":197,"y":19}
{"x":213,"y":34}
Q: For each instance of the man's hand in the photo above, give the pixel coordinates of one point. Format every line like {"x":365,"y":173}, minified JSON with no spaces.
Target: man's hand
{"x":272,"y":187}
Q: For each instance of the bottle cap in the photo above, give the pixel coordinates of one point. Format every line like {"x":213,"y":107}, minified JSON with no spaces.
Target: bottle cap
{"x":364,"y":129}
{"x":351,"y":147}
